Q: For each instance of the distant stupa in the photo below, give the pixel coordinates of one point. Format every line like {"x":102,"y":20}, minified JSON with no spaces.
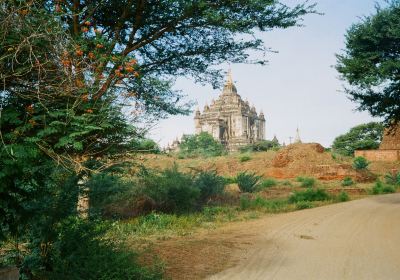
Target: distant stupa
{"x":297,"y":139}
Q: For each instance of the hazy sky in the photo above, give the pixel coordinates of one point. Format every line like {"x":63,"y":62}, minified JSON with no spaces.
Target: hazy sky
{"x":299,"y":86}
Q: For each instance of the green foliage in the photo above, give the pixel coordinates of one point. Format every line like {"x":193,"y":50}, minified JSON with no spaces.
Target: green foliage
{"x":371,"y":62}
{"x":267,"y":183}
{"x":202,"y":144}
{"x":272,"y":206}
{"x":229,"y":180}
{"x":245,"y":158}
{"x":306,"y":182}
{"x":362,"y":137}
{"x":260,"y":146}
{"x":381,"y":188}
{"x":145,"y":146}
{"x":82,"y":252}
{"x":343,"y":196}
{"x":360,"y":163}
{"x":300,"y":205}
{"x":393,"y":178}
{"x":248,"y":182}
{"x":171,"y":190}
{"x":347,"y":181}
{"x":209,"y":184}
{"x":309,"y":195}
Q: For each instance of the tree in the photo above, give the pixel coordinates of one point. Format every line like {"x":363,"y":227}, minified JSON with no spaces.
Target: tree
{"x":362,"y":137}
{"x":371,"y":63}
{"x":68,"y":70}
{"x":202,"y":144}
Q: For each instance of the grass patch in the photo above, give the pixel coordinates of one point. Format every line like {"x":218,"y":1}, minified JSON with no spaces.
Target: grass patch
{"x":245,"y":158}
{"x":267,"y":205}
{"x":343,"y":197}
{"x":306,"y":182}
{"x":304,"y":205}
{"x":267,"y":183}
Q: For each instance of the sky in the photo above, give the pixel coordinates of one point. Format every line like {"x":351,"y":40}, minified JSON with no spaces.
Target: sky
{"x":299,"y":87}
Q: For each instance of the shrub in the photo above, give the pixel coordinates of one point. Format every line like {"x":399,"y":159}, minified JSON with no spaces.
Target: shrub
{"x":202,"y":144}
{"x":309,"y":195}
{"x":306,"y":182}
{"x":247,"y":182}
{"x":171,"y":190}
{"x":244,"y":158}
{"x":347,"y":182}
{"x":267,"y":183}
{"x":343,"y":196}
{"x":380,"y":188}
{"x":393,"y":178}
{"x":209,"y":184}
{"x":360,"y":163}
{"x":304,"y":205}
{"x":82,"y":252}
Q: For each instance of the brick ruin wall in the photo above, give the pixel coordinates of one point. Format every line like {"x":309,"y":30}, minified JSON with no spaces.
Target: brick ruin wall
{"x":379,"y":155}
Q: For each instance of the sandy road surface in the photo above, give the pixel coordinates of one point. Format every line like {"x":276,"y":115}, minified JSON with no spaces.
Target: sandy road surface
{"x":354,"y":240}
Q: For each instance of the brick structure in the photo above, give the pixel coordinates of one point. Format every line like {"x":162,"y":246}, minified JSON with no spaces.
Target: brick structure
{"x":231,"y":120}
{"x":389,"y":150}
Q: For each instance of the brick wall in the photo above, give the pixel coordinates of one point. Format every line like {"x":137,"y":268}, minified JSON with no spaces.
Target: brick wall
{"x":379,"y":155}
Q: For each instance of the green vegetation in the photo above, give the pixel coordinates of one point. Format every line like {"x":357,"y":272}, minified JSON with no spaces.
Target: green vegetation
{"x":248,"y":182}
{"x":309,"y":195}
{"x":306,"y":182}
{"x":360,"y":163}
{"x":343,"y":196}
{"x":202,"y":144}
{"x":370,"y":62}
{"x":347,"y":181}
{"x":268,"y":205}
{"x":245,"y":158}
{"x":393,"y":178}
{"x":267,"y":183}
{"x":300,"y":205}
{"x":260,"y":146}
{"x":362,"y":137}
{"x":381,"y":188}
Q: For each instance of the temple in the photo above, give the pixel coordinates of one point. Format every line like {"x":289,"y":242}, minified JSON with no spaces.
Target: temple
{"x":231,"y":120}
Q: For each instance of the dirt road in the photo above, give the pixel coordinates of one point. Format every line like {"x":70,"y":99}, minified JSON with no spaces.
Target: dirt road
{"x":354,"y":240}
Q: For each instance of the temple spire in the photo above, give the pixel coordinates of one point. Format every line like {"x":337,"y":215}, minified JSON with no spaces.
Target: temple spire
{"x":297,"y":139}
{"x":229,"y":86}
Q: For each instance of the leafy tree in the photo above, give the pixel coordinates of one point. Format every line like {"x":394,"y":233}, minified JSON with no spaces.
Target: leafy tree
{"x":362,"y":137}
{"x":202,"y":144}
{"x":371,"y":63}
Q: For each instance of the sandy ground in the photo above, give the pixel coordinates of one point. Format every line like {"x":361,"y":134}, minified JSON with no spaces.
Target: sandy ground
{"x":354,"y":240}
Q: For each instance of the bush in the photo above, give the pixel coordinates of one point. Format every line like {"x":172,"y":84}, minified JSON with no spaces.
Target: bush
{"x":248,"y":182}
{"x":393,"y":178}
{"x":380,"y":188}
{"x":244,"y":158}
{"x":209,"y":184}
{"x":229,"y":180}
{"x":347,"y":182}
{"x":202,"y":144}
{"x":343,"y":196}
{"x":309,"y":195}
{"x":267,"y":183}
{"x":360,"y":163}
{"x":82,"y":252}
{"x":306,"y":182}
{"x":304,"y":205}
{"x":172,"y":191}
